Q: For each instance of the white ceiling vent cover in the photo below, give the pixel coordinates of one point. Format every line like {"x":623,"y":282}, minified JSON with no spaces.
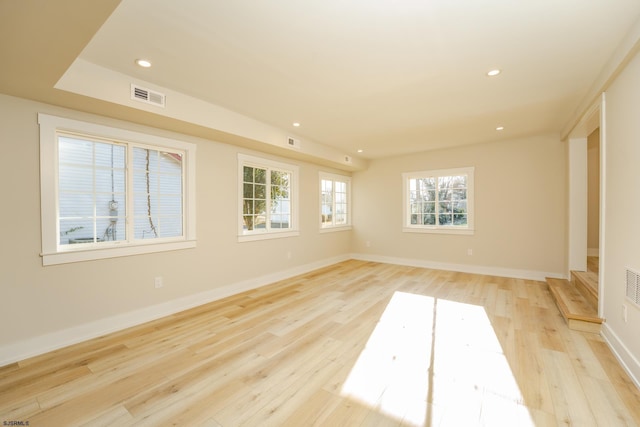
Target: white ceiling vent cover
{"x":147,"y":96}
{"x":293,"y":143}
{"x":633,"y":286}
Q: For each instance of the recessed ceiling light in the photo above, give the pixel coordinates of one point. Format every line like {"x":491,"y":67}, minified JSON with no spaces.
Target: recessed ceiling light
{"x":360,"y":150}
{"x":494,"y":72}
{"x":500,"y":128}
{"x":143,"y":63}
{"x":296,"y":124}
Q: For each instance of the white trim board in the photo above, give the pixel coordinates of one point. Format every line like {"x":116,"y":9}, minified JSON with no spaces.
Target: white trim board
{"x":627,"y":360}
{"x":35,"y":346}
{"x":463,"y":268}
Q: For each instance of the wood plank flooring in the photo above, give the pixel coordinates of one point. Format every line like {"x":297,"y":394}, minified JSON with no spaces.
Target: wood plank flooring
{"x":354,"y":344}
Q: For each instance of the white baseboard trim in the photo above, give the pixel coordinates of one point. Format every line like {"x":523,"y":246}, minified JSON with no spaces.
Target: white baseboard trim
{"x":35,"y":346}
{"x":593,"y":252}
{"x":463,"y":268}
{"x":628,"y":361}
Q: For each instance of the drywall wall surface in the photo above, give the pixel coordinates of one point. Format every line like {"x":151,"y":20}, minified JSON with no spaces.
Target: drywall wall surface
{"x":520,"y":209}
{"x":621,"y":224}
{"x":69,"y":301}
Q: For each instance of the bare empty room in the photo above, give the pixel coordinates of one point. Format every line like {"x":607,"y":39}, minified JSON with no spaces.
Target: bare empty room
{"x":320,"y":213}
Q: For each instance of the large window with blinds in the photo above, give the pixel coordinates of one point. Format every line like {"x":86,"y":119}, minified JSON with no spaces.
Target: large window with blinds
{"x":110,"y":192}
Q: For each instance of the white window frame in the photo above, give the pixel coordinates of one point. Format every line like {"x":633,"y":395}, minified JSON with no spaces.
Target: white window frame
{"x":267,"y":233}
{"x":469,"y":229}
{"x":54,"y":253}
{"x":335,"y":178}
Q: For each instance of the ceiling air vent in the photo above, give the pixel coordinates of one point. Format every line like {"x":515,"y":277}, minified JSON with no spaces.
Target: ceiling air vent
{"x":147,"y":96}
{"x":293,"y":142}
{"x":347,"y":159}
{"x":633,"y":286}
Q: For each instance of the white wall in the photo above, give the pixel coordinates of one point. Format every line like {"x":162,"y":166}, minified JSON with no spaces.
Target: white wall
{"x":622,"y":212}
{"x":47,"y":307}
{"x":593,"y":195}
{"x":520,"y":210}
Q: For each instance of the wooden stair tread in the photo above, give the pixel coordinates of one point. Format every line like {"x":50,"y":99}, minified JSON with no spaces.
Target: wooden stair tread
{"x":587,"y":278}
{"x":573,"y":306}
{"x":587,"y":284}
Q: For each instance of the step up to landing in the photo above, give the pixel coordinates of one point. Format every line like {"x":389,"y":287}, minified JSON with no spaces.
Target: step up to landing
{"x":579,"y":313}
{"x":587,"y":283}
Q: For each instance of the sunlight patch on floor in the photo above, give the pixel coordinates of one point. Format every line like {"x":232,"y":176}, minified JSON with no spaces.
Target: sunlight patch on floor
{"x":435,"y":362}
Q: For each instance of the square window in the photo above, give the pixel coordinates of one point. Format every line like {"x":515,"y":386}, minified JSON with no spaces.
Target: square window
{"x":439,"y":201}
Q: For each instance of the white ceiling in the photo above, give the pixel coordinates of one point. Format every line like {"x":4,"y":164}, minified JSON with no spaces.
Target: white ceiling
{"x":384,"y":76}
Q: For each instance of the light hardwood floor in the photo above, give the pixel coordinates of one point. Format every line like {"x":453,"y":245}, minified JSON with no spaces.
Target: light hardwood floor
{"x":355,"y":344}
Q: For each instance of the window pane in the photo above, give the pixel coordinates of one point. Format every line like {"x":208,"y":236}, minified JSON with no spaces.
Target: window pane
{"x":143,"y":204}
{"x":459,"y":181}
{"x":75,"y":205}
{"x":157,"y":194}
{"x":171,"y":206}
{"x":445,"y":219}
{"x":247,"y":191}
{"x":429,"y":219}
{"x":260,"y":191}
{"x":78,"y":230}
{"x":110,"y":155}
{"x":108,"y":205}
{"x":146,"y":227}
{"x":459,"y":219}
{"x":248,"y":174}
{"x":429,"y":207}
{"x":75,"y":178}
{"x":248,"y":207}
{"x":327,"y":202}
{"x":171,"y":226}
{"x":110,"y":180}
{"x":76,"y":151}
{"x":144,"y":182}
{"x":247,"y":222}
{"x":460,"y":207}
{"x":170,"y":184}
{"x":459,"y":195}
{"x":260,"y":176}
{"x":168,"y":161}
{"x":91,"y":183}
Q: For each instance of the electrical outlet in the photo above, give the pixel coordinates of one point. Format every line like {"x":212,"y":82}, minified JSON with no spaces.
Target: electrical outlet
{"x":624,"y":312}
{"x":157,"y":282}
{"x":368,"y":243}
{"x":469,"y":251}
{"x":289,"y":255}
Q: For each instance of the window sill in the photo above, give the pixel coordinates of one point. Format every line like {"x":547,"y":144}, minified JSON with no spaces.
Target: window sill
{"x":113,"y":252}
{"x":335,"y":229}
{"x":440,"y":230}
{"x":266,"y":236}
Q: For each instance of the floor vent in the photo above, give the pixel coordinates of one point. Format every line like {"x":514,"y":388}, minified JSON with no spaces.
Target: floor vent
{"x":147,"y":96}
{"x":633,"y":286}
